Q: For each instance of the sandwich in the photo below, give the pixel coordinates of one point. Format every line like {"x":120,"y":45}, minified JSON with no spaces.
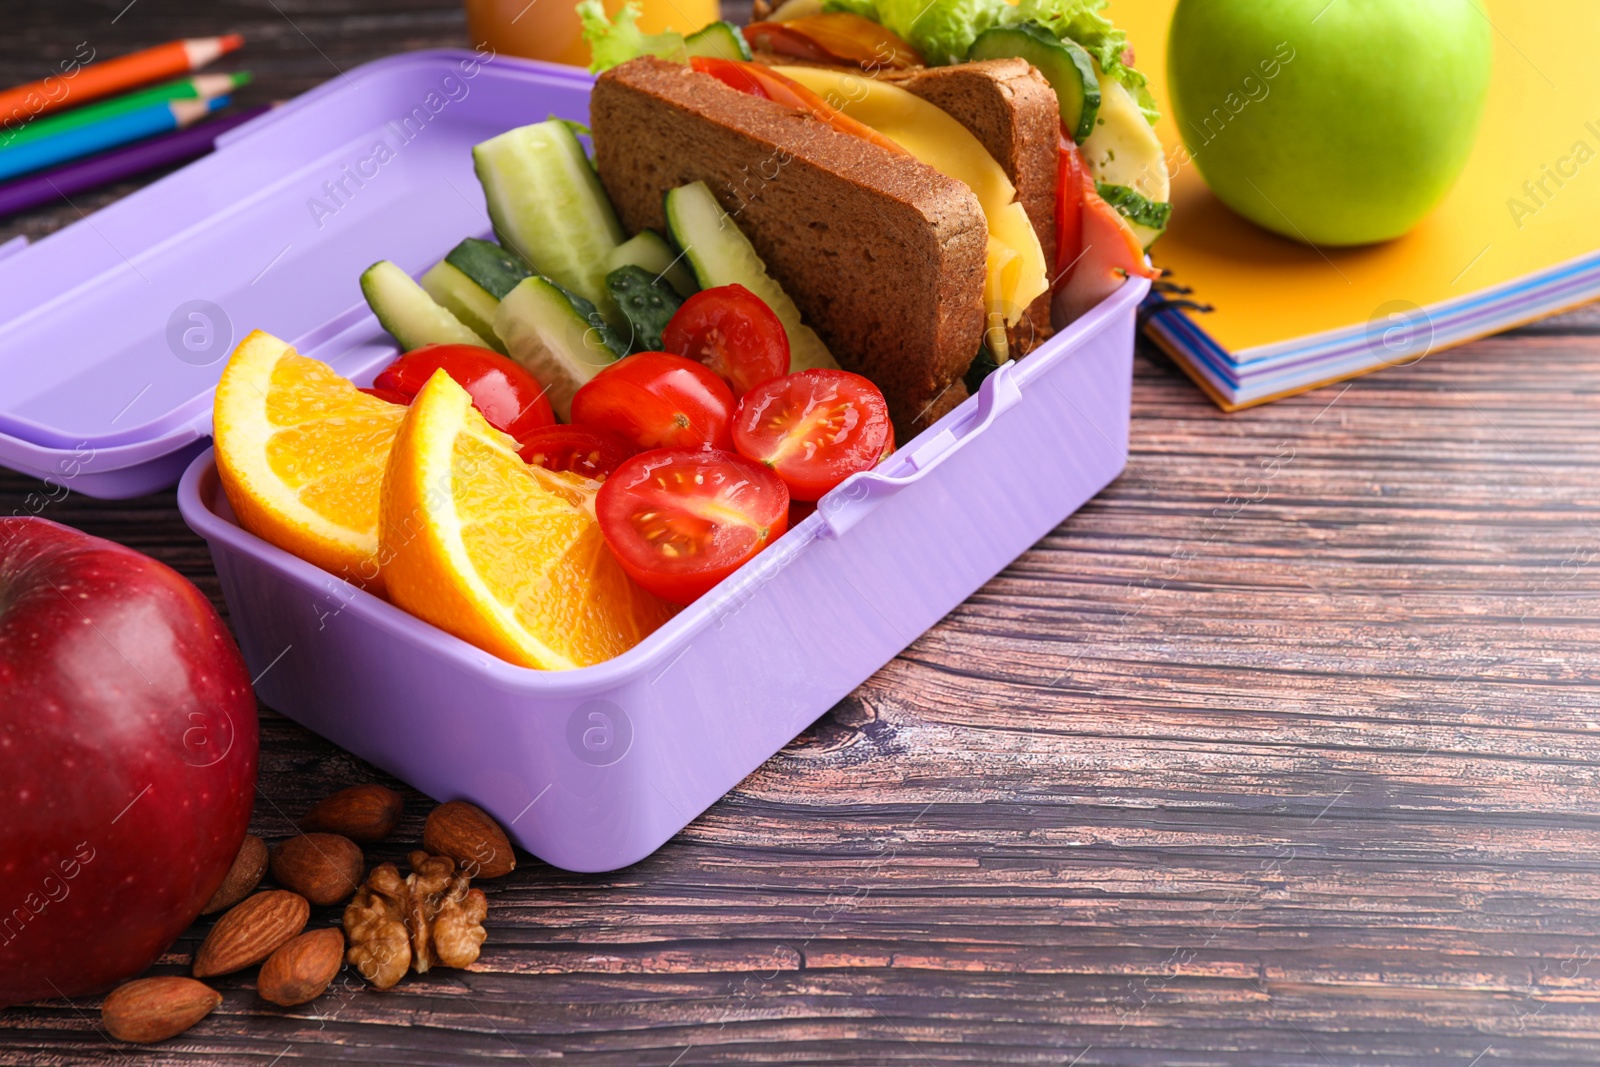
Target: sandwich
{"x":934,"y":198}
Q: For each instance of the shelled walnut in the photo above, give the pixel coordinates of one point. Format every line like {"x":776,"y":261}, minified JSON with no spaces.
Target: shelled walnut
{"x":375,"y":926}
{"x":430,"y":917}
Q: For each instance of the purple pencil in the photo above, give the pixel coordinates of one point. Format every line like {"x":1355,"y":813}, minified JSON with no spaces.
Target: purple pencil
{"x":180,"y":146}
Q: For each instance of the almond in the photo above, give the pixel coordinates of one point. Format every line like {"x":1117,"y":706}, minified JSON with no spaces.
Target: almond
{"x":251,"y":932}
{"x":245,"y":874}
{"x":301,"y":969}
{"x":467,"y":834}
{"x":323,"y":868}
{"x":365,"y":814}
{"x":154,"y":1009}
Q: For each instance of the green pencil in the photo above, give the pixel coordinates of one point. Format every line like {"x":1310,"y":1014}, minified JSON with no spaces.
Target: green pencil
{"x":198,"y":87}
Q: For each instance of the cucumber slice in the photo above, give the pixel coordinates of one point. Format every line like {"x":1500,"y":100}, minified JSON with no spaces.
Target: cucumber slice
{"x":1147,"y":218}
{"x":548,"y":207}
{"x":465,"y":299}
{"x":1063,"y":62}
{"x":496,"y":271}
{"x":1123,"y":149}
{"x":649,"y":250}
{"x":555,"y":338}
{"x":409,"y":314}
{"x":719,"y":40}
{"x":646,"y":302}
{"x":720,"y":255}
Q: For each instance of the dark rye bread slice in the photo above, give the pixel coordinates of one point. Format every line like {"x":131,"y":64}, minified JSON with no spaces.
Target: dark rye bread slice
{"x":1012,"y":111}
{"x":883,"y":255}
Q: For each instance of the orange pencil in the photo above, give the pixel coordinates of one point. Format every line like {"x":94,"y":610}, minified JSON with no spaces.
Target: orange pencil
{"x":94,"y":80}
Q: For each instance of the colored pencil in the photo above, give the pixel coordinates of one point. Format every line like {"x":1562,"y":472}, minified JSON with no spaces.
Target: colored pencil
{"x":120,"y":163}
{"x":96,"y":80}
{"x":199,"y":87}
{"x":118,"y":129}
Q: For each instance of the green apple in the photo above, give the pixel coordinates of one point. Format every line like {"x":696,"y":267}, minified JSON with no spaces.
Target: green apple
{"x":1334,"y":122}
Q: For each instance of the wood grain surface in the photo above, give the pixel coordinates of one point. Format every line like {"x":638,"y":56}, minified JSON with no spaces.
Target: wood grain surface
{"x":1284,"y":751}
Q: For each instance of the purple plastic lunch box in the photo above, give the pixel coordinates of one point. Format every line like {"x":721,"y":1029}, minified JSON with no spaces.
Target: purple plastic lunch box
{"x":116,"y":329}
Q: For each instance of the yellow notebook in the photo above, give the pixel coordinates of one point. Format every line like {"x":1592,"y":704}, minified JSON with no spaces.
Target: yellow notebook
{"x":1497,"y":252}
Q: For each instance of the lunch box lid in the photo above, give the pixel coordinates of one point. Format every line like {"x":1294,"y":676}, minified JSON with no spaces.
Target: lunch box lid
{"x":115,"y":329}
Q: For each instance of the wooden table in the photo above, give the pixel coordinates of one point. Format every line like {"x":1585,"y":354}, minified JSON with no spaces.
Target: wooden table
{"x":1284,"y":751}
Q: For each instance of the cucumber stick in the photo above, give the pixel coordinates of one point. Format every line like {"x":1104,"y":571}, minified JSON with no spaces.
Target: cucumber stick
{"x":548,"y":206}
{"x":409,"y":314}
{"x":650,"y":251}
{"x":496,"y":271}
{"x":720,"y":255}
{"x":1063,"y":62}
{"x":465,"y":299}
{"x":552,"y":336}
{"x":647,"y":302}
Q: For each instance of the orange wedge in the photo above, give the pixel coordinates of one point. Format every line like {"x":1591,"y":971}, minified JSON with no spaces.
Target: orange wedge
{"x":301,"y":453}
{"x":506,"y":556}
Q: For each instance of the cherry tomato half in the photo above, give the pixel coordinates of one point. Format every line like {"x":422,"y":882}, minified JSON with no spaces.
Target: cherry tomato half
{"x":732,"y":331}
{"x":591,"y":453}
{"x":680,"y":520}
{"x":657,"y":400}
{"x":508,"y":396}
{"x":814,"y":428}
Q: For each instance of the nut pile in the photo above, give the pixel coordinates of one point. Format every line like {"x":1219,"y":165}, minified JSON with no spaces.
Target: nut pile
{"x":391,"y":924}
{"x":428,"y":917}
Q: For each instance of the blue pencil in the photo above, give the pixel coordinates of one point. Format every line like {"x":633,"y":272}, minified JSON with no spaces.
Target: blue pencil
{"x":97,"y":137}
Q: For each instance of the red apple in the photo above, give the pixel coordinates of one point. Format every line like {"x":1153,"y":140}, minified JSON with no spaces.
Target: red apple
{"x":127,"y":759}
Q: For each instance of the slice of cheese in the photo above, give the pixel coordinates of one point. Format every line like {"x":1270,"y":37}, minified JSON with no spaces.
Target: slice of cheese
{"x":1123,"y":148}
{"x":1016,"y":274}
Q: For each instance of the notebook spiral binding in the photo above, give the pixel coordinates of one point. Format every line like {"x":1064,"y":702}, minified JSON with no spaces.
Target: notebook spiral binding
{"x":1168,"y":296}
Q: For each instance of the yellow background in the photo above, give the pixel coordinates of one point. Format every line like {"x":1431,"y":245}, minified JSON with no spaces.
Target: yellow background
{"x":1267,"y":289}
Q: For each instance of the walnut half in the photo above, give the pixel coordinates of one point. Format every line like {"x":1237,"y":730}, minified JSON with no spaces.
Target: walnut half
{"x":458,"y":931}
{"x":375,"y":924}
{"x":432,"y":916}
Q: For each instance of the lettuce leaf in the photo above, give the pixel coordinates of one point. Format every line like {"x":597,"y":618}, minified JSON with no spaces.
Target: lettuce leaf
{"x":617,"y":41}
{"x":942,"y":30}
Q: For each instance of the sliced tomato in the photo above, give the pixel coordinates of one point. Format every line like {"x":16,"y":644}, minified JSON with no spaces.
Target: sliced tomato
{"x":507,"y":395}
{"x":657,"y":400}
{"x":767,"y":83}
{"x":591,"y":453}
{"x":1069,"y":206}
{"x":814,"y":428}
{"x":1111,"y":254}
{"x":681,"y":520}
{"x":733,"y":74}
{"x":732,"y":331}
{"x":835,"y":37}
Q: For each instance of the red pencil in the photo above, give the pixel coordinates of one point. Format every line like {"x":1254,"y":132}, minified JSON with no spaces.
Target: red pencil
{"x":95,"y":80}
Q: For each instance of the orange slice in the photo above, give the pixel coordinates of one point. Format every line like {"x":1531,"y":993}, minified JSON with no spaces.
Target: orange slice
{"x":506,"y":556}
{"x":300,"y":452}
